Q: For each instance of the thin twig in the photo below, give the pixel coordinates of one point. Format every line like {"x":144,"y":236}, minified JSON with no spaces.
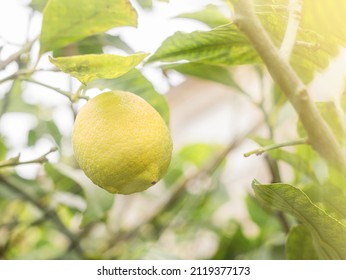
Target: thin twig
{"x":63,"y":92}
{"x":15,"y":160}
{"x":17,"y":54}
{"x":275,"y":146}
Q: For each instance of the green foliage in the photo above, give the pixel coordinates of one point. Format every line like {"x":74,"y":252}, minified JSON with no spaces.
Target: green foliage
{"x":327,"y":232}
{"x":224,"y":45}
{"x":299,"y":244}
{"x":325,"y":18}
{"x":145,"y":4}
{"x":135,"y":82}
{"x":93,"y":45}
{"x":65,"y":22}
{"x":103,"y":66}
{"x":59,"y":213}
{"x":210,"y":15}
{"x":213,"y":73}
{"x":38,"y":4}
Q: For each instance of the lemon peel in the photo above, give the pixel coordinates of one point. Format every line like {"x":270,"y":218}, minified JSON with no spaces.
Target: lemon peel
{"x":121,"y":142}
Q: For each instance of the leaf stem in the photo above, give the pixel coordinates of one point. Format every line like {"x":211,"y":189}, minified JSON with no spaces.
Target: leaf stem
{"x":262,"y":150}
{"x":319,"y":133}
{"x":15,"y":160}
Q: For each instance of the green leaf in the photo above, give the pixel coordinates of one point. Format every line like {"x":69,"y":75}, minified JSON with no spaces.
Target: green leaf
{"x":311,"y":52}
{"x":38,"y":4}
{"x":262,"y":218}
{"x":190,"y":155}
{"x":3,"y":149}
{"x":326,"y":18}
{"x":197,"y":154}
{"x":62,"y":182}
{"x":332,"y":116}
{"x":145,"y":4}
{"x":224,"y":45}
{"x":66,"y":21}
{"x":93,"y":45}
{"x":99,"y":202}
{"x":97,"y":66}
{"x":327,"y":232}
{"x":299,"y":245}
{"x":210,"y":15}
{"x":135,"y":82}
{"x":209,"y":72}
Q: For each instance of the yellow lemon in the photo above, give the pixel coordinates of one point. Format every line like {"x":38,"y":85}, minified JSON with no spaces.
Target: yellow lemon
{"x":121,"y":142}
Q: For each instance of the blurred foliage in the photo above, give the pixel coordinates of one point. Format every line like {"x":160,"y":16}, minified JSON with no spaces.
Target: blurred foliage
{"x":58,"y":213}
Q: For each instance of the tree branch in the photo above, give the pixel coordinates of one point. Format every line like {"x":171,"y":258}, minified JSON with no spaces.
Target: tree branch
{"x":319,"y":133}
{"x":50,"y":214}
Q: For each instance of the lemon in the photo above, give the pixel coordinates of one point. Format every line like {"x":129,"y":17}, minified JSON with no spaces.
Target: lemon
{"x":121,"y":142}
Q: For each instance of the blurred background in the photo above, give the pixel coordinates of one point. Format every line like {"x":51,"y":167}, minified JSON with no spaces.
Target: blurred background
{"x":202,"y":209}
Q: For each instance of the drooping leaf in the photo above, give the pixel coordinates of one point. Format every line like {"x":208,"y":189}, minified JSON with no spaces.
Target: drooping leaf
{"x":98,"y":201}
{"x":299,"y":245}
{"x":61,"y":181}
{"x":263,"y":219}
{"x":93,"y":45}
{"x":209,"y":72}
{"x":89,"y":45}
{"x":224,"y":45}
{"x":135,"y":82}
{"x":145,"y":4}
{"x":38,"y":4}
{"x":327,"y":232}
{"x":66,"y":21}
{"x":210,"y":15}
{"x":92,"y":66}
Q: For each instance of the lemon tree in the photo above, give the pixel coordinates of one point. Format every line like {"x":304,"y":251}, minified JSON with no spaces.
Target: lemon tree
{"x":74,"y":198}
{"x":121,"y":142}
